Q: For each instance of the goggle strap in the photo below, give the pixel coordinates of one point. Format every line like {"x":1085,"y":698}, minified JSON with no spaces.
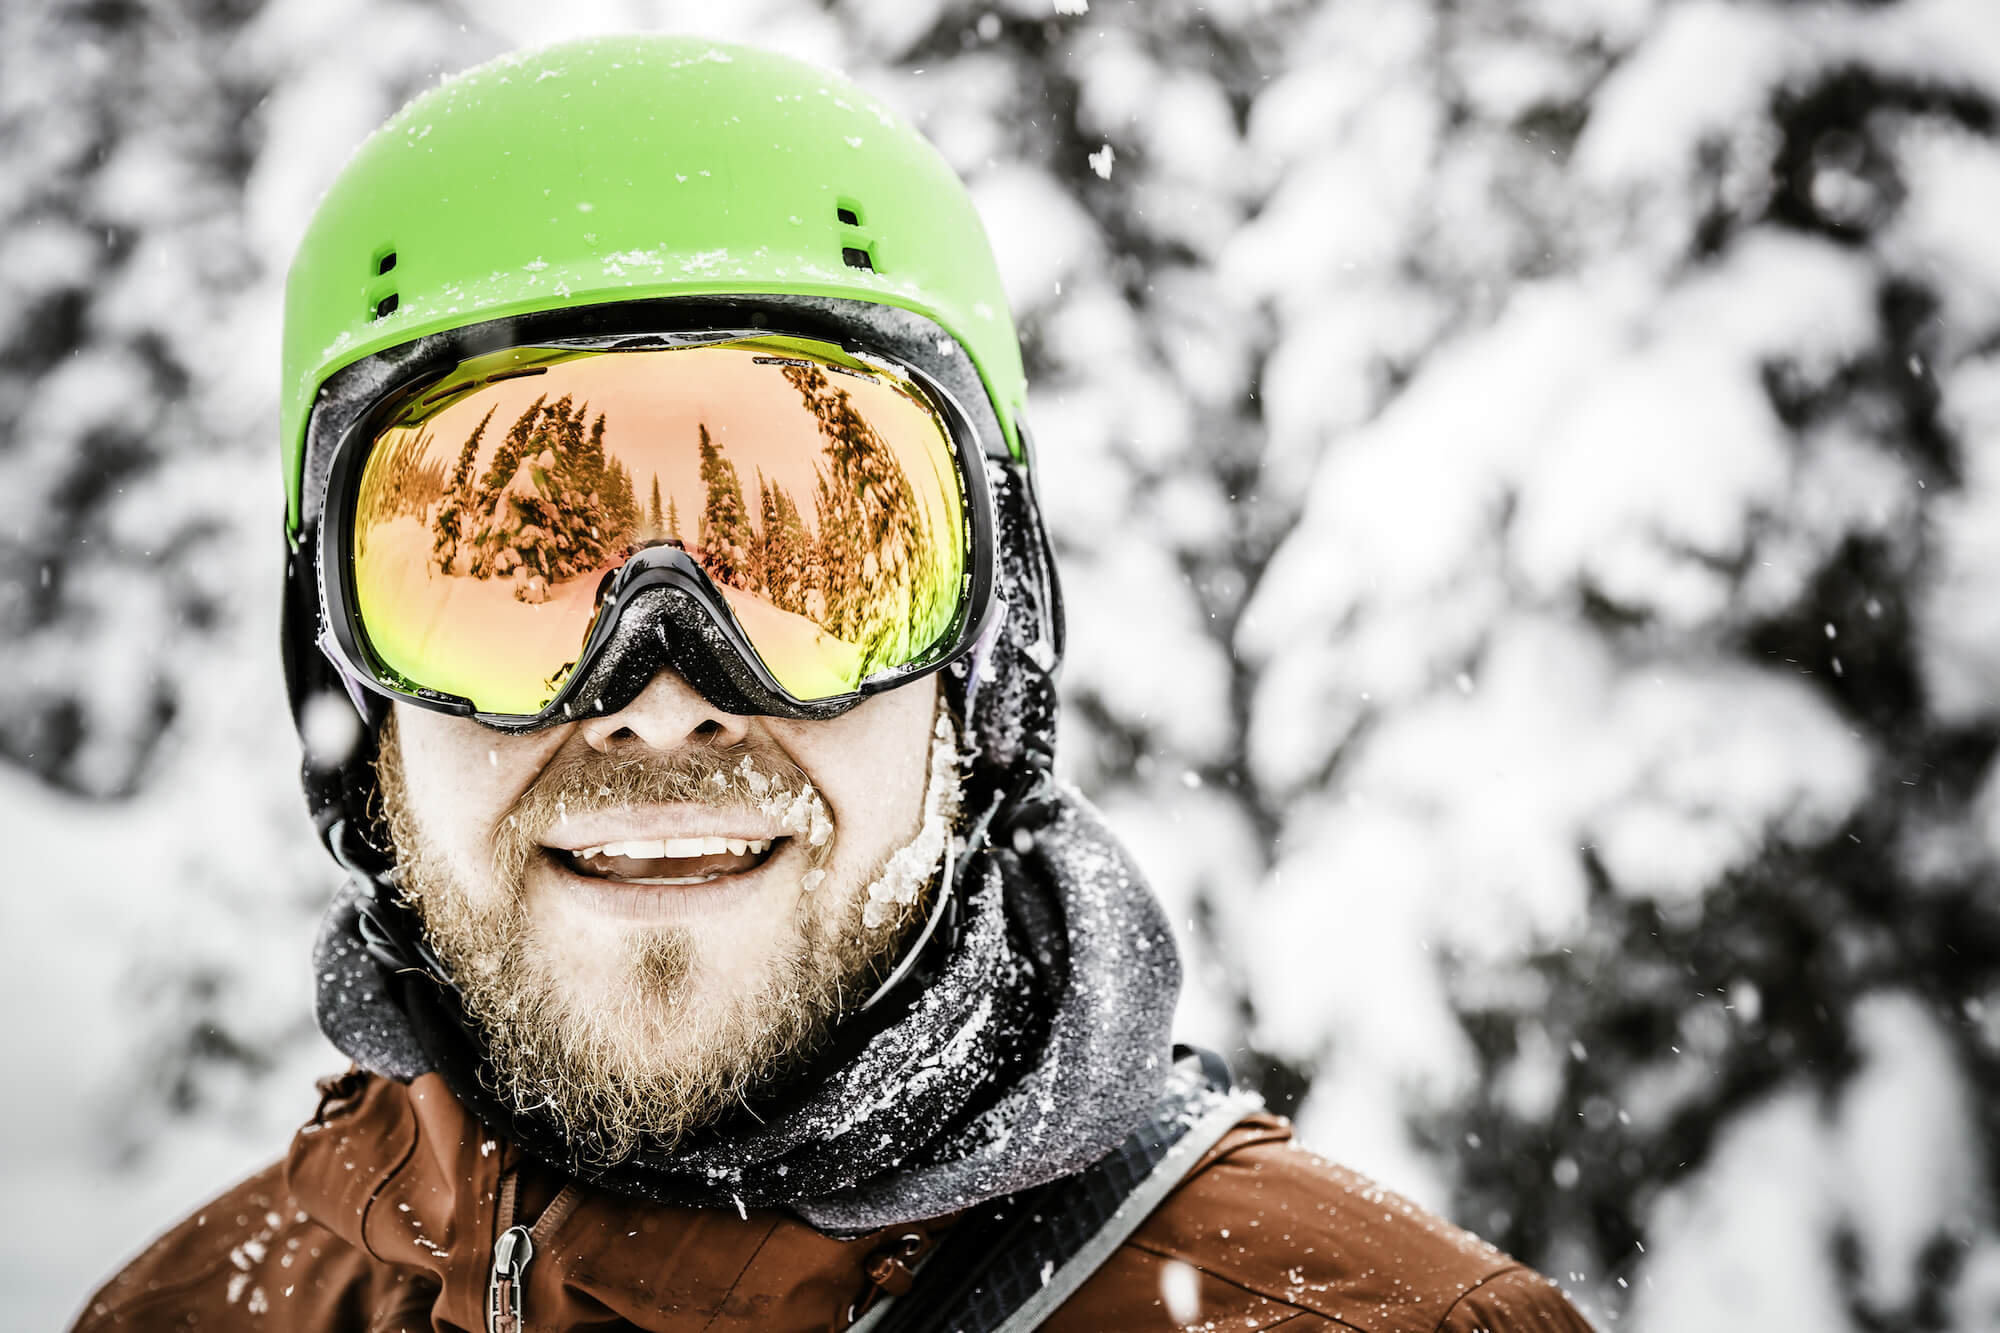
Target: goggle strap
{"x":982,"y":652}
{"x":357,"y":690}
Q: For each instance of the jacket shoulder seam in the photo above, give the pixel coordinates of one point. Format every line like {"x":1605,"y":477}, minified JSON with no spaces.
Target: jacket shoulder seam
{"x":1490,"y":1277}
{"x":1244,"y":1284}
{"x":1247,"y":1287}
{"x":1254,"y":1135}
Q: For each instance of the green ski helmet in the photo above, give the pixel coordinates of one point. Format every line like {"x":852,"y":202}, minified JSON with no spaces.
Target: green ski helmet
{"x":625,"y":168}
{"x":646,"y":172}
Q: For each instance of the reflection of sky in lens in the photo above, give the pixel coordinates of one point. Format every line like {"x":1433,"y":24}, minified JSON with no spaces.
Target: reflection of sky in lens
{"x":489,"y":638}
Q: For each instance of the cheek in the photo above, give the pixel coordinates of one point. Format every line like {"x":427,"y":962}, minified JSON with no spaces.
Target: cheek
{"x":462,"y":778}
{"x":871,"y":765}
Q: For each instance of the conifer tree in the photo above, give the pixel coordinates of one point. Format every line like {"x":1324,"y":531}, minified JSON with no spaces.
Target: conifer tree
{"x":784,"y":547}
{"x":553,"y":505}
{"x":727,"y":538}
{"x":620,"y":512}
{"x":882,"y":600}
{"x":506,"y":459}
{"x":453,"y":512}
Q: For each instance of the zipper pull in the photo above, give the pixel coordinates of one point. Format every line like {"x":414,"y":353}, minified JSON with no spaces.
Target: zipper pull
{"x":510,"y":1267}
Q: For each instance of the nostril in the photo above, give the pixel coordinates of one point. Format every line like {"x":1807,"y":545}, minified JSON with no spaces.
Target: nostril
{"x":709,"y":730}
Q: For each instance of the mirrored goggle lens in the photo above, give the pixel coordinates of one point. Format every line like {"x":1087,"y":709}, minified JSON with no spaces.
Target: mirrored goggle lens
{"x":820,"y":494}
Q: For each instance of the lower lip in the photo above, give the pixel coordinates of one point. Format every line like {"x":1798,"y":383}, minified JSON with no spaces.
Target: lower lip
{"x":631,"y":900}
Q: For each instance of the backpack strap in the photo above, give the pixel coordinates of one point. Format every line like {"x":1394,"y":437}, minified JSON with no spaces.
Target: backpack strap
{"x":1005,"y":1266}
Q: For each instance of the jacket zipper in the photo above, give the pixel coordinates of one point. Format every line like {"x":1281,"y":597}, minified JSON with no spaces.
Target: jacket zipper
{"x":510,"y":1268}
{"x":512,"y":1251}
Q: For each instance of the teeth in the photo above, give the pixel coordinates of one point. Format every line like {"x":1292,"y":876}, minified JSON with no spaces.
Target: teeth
{"x":655,"y":848}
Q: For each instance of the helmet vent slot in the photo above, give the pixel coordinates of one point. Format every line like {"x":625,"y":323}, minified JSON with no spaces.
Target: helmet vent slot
{"x":862,"y":253}
{"x":382,"y":297}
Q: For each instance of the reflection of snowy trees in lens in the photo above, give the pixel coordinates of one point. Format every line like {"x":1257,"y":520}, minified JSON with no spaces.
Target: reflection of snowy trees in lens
{"x":875,"y":566}
{"x":864,"y":567}
{"x":405,"y":481}
{"x":728,"y":542}
{"x":858,"y":558}
{"x":449,"y":525}
{"x":550,"y":505}
{"x":787,"y":549}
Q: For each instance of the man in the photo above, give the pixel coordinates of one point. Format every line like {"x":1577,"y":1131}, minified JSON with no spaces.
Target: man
{"x":718,"y":953}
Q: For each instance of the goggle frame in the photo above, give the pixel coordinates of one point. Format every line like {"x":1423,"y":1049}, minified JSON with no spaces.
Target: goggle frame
{"x":751,"y":687}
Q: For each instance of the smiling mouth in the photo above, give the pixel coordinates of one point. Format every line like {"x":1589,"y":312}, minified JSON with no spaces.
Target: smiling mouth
{"x":669,"y":861}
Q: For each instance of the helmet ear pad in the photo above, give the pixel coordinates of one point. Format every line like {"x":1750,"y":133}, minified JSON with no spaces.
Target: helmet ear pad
{"x":1005,"y":698}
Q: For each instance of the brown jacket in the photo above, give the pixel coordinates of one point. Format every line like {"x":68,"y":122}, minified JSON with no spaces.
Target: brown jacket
{"x":384,"y":1215}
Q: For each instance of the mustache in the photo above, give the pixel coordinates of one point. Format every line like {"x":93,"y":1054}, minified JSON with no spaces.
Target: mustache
{"x":748,"y":775}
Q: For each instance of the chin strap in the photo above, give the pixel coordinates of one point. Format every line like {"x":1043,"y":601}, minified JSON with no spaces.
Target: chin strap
{"x":945,"y":911}
{"x":1007,"y":825}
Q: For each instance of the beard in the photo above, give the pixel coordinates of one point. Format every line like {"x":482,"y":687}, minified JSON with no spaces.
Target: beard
{"x":650,"y":1042}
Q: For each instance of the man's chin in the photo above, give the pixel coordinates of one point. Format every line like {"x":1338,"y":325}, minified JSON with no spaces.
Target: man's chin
{"x":634,"y":1036}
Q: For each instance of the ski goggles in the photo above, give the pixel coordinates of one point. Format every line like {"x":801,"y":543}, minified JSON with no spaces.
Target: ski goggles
{"x":822,"y":512}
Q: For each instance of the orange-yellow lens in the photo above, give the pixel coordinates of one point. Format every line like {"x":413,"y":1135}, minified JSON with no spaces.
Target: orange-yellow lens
{"x":820,"y":494}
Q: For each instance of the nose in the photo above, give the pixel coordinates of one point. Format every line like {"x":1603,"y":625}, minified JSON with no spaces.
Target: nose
{"x":666,"y":715}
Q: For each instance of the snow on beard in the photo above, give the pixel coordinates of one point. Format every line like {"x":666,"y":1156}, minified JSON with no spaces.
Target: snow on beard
{"x":629,"y":1073}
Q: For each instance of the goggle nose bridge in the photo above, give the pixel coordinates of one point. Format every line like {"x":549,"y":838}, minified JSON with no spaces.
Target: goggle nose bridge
{"x":665,"y":566}
{"x":686,"y":625}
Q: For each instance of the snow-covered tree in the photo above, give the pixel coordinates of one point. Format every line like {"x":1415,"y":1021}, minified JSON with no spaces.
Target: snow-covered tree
{"x":728,"y":538}
{"x":550,"y":506}
{"x":448,"y":525}
{"x":876,"y":569}
{"x":786,"y":546}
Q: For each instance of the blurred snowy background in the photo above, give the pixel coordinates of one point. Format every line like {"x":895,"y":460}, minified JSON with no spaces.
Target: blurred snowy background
{"x":1529,"y":477}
